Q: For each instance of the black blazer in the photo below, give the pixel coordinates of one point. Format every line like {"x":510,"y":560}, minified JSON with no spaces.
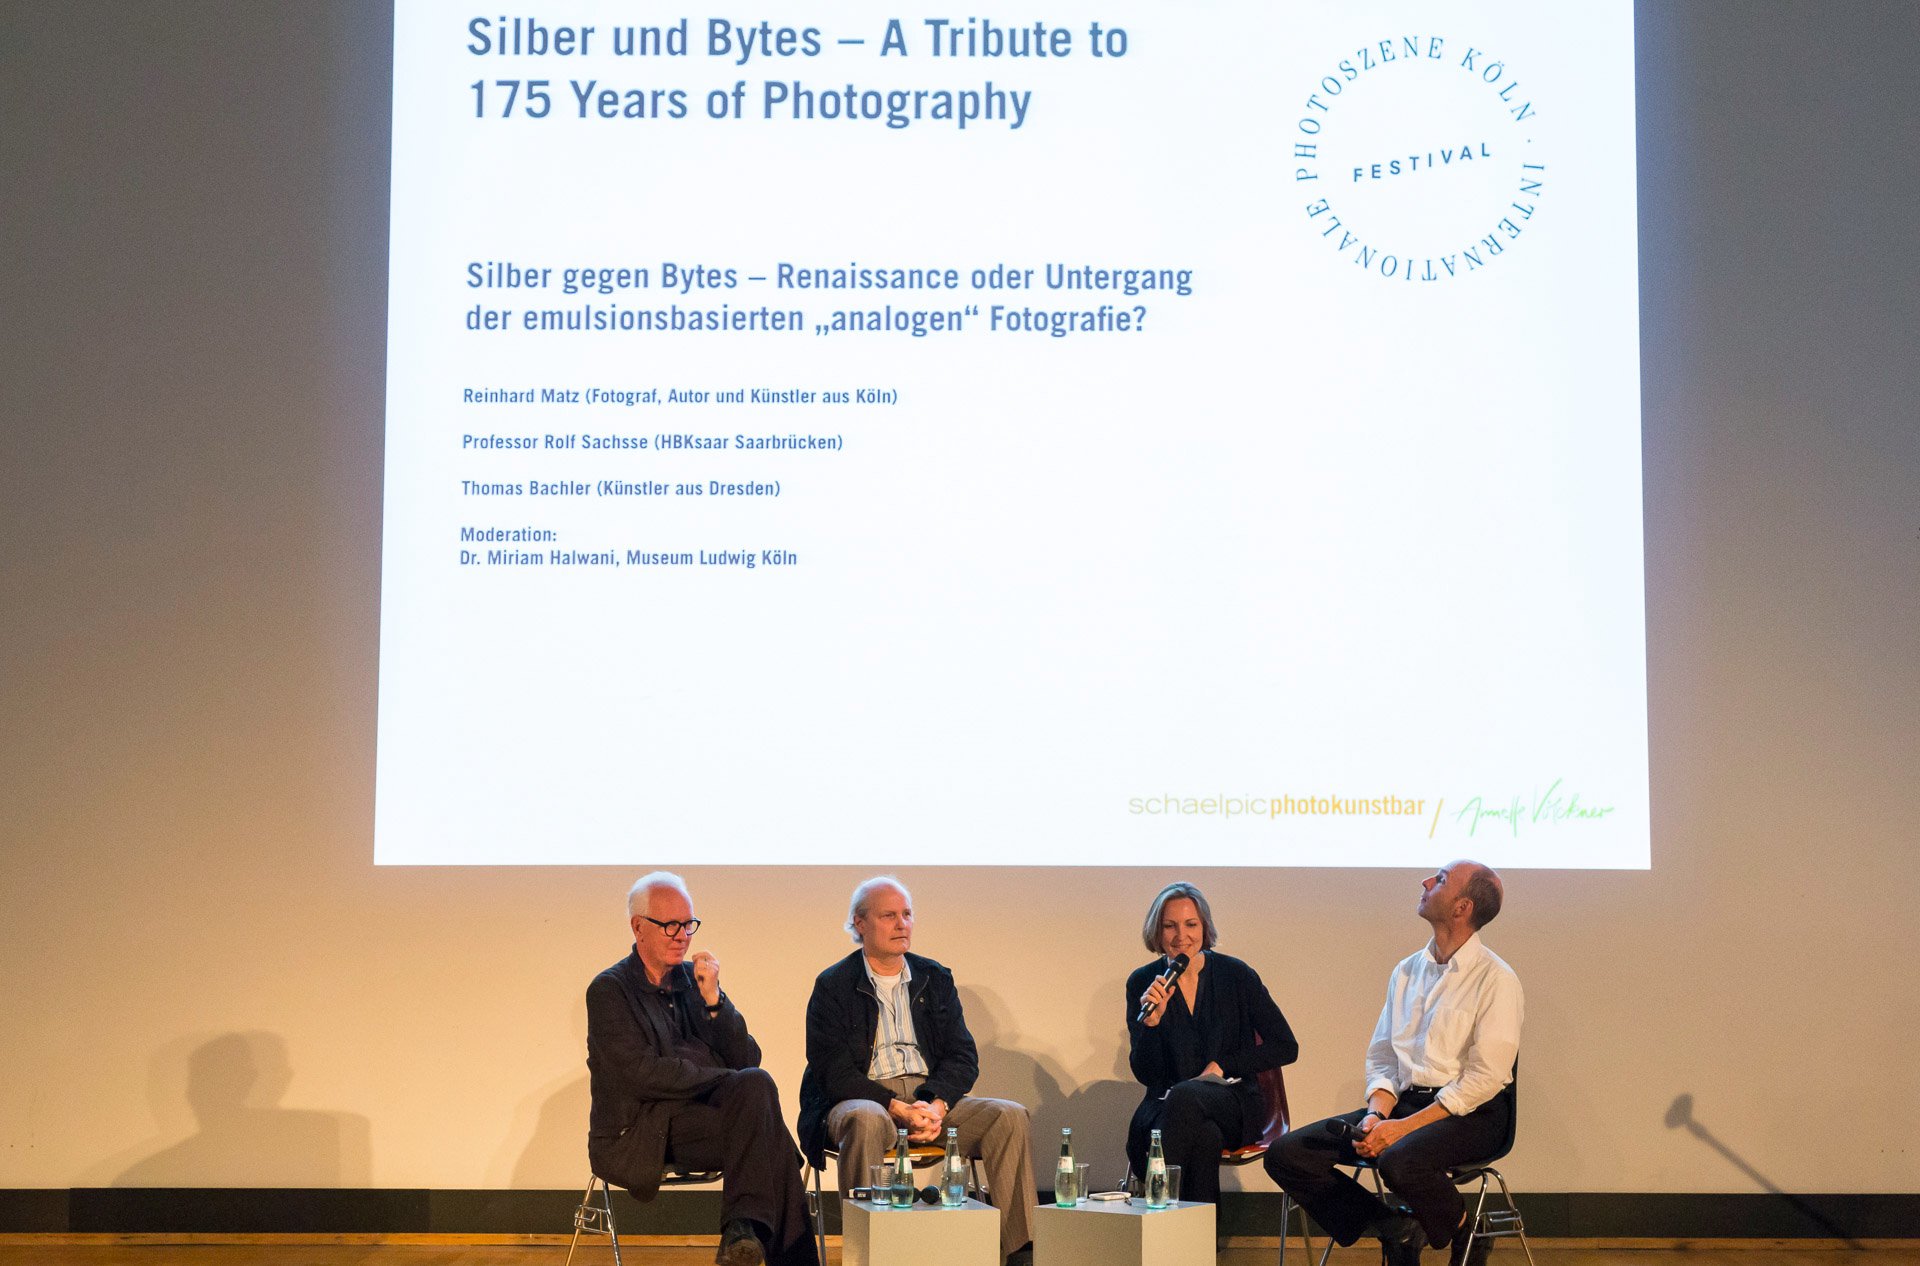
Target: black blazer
{"x":842,"y":1016}
{"x":1233,"y":1006}
{"x":638,"y":1081}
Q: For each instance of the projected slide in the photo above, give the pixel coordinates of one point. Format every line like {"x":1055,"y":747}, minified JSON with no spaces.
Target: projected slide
{"x":1079,"y":435}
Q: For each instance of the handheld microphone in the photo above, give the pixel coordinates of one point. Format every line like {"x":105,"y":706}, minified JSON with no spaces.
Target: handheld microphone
{"x":1346,"y":1130}
{"x":1174,"y":967}
{"x":1338,"y":1132}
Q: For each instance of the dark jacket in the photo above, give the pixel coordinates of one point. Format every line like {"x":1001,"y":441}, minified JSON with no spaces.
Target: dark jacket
{"x":1233,"y":1007}
{"x":638,"y":1077}
{"x":842,"y":1016}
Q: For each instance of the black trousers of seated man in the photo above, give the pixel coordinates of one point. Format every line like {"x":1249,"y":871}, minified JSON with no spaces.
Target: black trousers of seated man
{"x":1415,"y":1168}
{"x":1197,"y":1121}
{"x":735,"y":1126}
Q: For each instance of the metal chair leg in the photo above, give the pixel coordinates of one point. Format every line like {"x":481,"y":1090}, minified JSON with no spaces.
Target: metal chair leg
{"x":585,"y":1218}
{"x":613,"y":1232}
{"x":819,"y":1202}
{"x":578,"y":1210}
{"x":1476,"y":1228}
{"x":1287,"y":1209}
{"x":1519,"y":1223}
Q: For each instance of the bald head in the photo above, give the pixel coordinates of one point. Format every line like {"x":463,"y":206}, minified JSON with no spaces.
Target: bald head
{"x":1480,"y":885}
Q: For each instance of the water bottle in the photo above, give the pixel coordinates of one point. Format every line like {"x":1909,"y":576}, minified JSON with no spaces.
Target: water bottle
{"x":901,"y":1193}
{"x":1156,"y":1174}
{"x":953,"y":1173}
{"x":1066,"y":1179}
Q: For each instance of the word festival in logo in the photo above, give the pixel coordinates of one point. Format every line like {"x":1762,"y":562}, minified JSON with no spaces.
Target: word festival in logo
{"x":1418,"y":154}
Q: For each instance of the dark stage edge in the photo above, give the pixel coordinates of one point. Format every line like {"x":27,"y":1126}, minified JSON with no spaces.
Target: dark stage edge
{"x":401,"y":1211}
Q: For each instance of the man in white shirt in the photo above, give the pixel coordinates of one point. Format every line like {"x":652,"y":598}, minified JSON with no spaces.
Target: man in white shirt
{"x":1439,"y":1077}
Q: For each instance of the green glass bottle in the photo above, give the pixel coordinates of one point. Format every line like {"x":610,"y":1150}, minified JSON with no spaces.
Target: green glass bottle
{"x":901,"y":1192}
{"x":1156,"y":1174}
{"x":953,"y":1173}
{"x":1066,"y":1178}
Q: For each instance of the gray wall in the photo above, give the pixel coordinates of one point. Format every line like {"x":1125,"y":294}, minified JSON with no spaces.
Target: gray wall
{"x":206,"y":981}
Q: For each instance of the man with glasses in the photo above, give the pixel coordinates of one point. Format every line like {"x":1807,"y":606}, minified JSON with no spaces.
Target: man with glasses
{"x":677,"y":1082}
{"x":888,"y":1047}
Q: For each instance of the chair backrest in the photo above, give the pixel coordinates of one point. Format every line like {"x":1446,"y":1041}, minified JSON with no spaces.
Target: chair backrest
{"x":1273,"y":1094}
{"x":1273,"y":1097}
{"x":1512,"y":1092}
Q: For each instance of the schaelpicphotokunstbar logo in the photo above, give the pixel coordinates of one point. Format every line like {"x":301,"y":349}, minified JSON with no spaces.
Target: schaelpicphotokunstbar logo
{"x":1419,"y":157}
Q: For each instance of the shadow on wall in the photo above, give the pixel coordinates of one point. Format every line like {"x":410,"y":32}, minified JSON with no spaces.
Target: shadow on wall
{"x":1096,"y":1109}
{"x":1100,"y":1108}
{"x":1680,"y":1117}
{"x":555,"y":1155}
{"x":553,"y":1122}
{"x":231,"y":1085}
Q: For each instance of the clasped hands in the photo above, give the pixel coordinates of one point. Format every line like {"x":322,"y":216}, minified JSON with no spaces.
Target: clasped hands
{"x":923,"y":1118}
{"x":1371,"y":1140}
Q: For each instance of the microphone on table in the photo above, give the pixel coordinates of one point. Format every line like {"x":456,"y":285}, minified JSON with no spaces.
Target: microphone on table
{"x":926,"y":1195}
{"x":1174,"y":967}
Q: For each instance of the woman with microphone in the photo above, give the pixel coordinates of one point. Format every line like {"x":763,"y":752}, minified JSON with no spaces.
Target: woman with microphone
{"x":1193,"y":1040}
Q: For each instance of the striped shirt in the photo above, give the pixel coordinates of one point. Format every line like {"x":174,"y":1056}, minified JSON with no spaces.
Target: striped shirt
{"x":896,"y":1050}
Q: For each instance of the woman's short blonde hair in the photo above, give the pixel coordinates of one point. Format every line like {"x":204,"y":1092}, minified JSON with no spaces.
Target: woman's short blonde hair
{"x":1150,"y":933}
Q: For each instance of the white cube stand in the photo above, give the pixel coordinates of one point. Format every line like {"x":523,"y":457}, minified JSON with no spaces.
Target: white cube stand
{"x":1117,"y":1233}
{"x":925,"y":1235}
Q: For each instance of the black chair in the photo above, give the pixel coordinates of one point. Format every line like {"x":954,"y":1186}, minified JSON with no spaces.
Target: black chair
{"x":1495,"y":1223}
{"x":1488,"y":1223}
{"x":597,"y":1219}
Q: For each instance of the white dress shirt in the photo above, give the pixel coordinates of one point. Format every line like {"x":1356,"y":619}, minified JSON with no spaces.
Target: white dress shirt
{"x":1453,"y":1025}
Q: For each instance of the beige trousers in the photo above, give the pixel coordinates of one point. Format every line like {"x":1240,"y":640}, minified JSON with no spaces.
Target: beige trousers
{"x":999,"y":1132}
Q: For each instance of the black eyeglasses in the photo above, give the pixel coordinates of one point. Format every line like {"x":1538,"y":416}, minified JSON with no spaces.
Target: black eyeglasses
{"x":673,"y":927}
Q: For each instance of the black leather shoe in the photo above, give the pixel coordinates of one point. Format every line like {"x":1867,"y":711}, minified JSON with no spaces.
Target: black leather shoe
{"x":1022,"y":1256}
{"x":739,"y":1246}
{"x":1467,"y":1250}
{"x":1401,"y":1241}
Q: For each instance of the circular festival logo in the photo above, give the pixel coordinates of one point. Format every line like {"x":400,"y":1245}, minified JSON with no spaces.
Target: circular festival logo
{"x":1419,"y":159}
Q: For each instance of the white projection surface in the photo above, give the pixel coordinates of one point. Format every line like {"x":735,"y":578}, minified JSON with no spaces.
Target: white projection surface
{"x":1091,"y":434}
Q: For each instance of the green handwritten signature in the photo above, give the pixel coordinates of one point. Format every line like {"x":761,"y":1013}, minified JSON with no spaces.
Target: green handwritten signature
{"x":1552,"y":807}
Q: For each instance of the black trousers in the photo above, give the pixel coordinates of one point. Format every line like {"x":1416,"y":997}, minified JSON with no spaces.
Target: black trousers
{"x":735,"y":1126}
{"x":1415,"y":1168}
{"x":1196,"y":1121}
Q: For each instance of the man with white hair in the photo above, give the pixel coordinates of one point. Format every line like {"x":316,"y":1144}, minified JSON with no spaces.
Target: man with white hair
{"x":677,"y":1082}
{"x":887,"y":1048}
